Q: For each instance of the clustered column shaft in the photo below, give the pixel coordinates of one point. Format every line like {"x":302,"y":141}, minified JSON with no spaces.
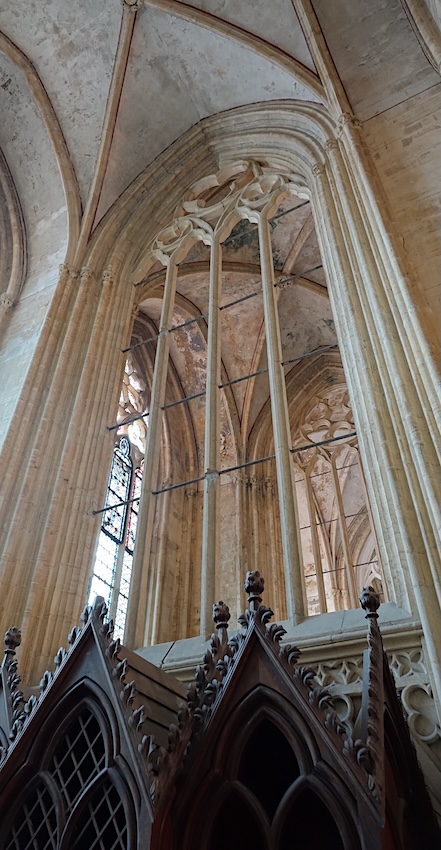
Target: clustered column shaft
{"x":139,"y":596}
{"x":281,"y":432}
{"x":210,"y":527}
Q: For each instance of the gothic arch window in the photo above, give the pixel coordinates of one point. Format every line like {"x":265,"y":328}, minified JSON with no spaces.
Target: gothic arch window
{"x":78,"y":799}
{"x":112,"y":569}
{"x":309,"y":823}
{"x":237,"y":286}
{"x":35,"y":824}
{"x":269,"y":801}
{"x":268,"y":746}
{"x":244,"y":829}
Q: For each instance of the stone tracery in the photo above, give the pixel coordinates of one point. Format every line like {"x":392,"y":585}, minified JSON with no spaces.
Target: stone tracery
{"x":250,"y":193}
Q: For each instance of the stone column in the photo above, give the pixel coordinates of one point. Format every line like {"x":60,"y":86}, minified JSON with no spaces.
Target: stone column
{"x":281,"y":431}
{"x":210,"y":525}
{"x":380,"y":425}
{"x":138,"y":601}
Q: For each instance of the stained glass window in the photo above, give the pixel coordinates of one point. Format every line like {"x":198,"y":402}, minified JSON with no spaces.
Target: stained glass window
{"x":113,"y":561}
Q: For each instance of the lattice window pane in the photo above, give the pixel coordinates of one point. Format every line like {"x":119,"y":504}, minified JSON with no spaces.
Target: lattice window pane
{"x":102,"y":825}
{"x":35,"y":826}
{"x":104,"y":569}
{"x":132,"y":521}
{"x":79,"y":757}
{"x":118,"y":491}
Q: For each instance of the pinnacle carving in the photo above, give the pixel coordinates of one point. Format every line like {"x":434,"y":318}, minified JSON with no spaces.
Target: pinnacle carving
{"x":370,"y":601}
{"x":221,"y":616}
{"x":254,"y":586}
{"x":12,"y":639}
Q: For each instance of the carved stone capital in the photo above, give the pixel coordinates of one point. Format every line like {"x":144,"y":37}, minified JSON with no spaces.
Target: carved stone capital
{"x":331,"y":145}
{"x":6,"y":302}
{"x":108,"y":277}
{"x":318,"y":170}
{"x":131,"y":5}
{"x":347,"y":119}
{"x":67,"y":271}
{"x":86,"y":275}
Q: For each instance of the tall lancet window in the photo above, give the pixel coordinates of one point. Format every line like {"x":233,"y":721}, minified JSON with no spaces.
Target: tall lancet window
{"x":114,"y":557}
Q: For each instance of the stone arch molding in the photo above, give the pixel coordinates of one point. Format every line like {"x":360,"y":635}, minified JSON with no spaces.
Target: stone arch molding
{"x":389,"y":368}
{"x":13,"y":243}
{"x":43,"y":106}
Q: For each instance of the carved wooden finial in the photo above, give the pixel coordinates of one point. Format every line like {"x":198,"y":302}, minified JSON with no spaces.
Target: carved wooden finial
{"x":221,"y":615}
{"x":12,"y":640}
{"x":254,"y":586}
{"x":370,"y":601}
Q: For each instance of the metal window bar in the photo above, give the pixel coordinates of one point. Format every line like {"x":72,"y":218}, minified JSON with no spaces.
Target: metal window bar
{"x":341,"y":569}
{"x":327,"y":472}
{"x":226,"y":384}
{"x":334,"y":519}
{"x":127,"y":421}
{"x":282,"y":280}
{"x":230,"y":469}
{"x":182,"y":400}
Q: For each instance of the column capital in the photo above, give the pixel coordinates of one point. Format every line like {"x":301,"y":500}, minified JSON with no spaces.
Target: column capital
{"x":332,"y":144}
{"x":67,"y":270}
{"x":348,"y":119}
{"x":6,"y":302}
{"x":86,"y":274}
{"x":318,"y":170}
{"x":108,"y":277}
{"x":131,"y":5}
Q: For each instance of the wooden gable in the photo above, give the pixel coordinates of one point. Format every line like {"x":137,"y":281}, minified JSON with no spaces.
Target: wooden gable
{"x":71,"y":771}
{"x":111,"y":754}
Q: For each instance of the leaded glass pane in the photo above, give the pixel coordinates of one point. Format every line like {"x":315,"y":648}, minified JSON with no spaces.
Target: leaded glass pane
{"x":104,"y":570}
{"x":102,"y":825}
{"x":132,"y":521}
{"x":79,"y":757}
{"x":35,"y":825}
{"x":118,"y":491}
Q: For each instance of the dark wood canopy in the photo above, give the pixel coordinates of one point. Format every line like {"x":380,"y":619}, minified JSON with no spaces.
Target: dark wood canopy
{"x":111,"y":753}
